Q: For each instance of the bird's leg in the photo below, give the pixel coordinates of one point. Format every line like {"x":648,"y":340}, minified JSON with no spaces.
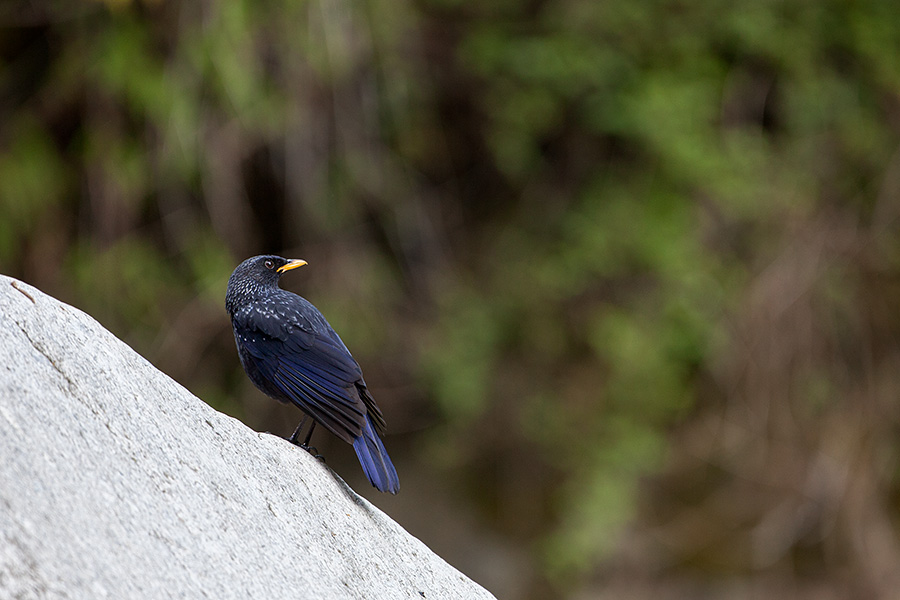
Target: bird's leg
{"x":305,"y":443}
{"x":293,"y":438}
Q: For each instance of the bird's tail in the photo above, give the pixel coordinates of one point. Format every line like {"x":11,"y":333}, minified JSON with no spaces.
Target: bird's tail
{"x":375,"y":460}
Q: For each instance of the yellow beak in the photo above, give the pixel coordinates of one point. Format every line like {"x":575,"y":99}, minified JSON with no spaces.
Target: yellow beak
{"x":291,"y":264}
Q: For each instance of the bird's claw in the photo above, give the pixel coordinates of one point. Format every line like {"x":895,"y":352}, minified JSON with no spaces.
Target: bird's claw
{"x":312,"y":450}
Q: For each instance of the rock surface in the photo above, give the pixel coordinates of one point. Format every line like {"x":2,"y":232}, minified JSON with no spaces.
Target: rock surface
{"x":116,"y":482}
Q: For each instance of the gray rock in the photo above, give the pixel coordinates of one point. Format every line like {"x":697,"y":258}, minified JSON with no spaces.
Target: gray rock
{"x":116,"y":482}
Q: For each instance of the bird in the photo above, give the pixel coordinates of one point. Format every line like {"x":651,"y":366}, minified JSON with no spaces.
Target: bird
{"x":291,"y":353}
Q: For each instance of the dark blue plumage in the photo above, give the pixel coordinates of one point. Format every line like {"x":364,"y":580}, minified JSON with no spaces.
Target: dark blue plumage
{"x":291,"y":353}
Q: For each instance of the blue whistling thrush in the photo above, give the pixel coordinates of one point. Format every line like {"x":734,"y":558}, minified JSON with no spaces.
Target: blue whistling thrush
{"x":291,"y":353}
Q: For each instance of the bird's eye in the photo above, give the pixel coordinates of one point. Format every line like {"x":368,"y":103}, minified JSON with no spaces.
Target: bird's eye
{"x":269,"y":264}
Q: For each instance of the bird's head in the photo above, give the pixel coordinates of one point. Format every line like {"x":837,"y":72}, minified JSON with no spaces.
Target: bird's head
{"x":256,"y":276}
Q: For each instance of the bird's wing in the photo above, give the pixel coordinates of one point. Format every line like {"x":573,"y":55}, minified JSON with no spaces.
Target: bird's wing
{"x":310,"y":369}
{"x":279,"y":320}
{"x":374,"y":411}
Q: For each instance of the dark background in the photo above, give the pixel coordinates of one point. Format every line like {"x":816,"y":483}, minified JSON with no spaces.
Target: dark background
{"x":624,"y":277}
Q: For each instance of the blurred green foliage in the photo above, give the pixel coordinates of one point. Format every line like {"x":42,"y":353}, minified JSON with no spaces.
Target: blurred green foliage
{"x":583,"y":245}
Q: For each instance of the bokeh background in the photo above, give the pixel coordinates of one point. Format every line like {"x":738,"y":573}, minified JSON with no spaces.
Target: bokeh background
{"x":623,"y":276}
